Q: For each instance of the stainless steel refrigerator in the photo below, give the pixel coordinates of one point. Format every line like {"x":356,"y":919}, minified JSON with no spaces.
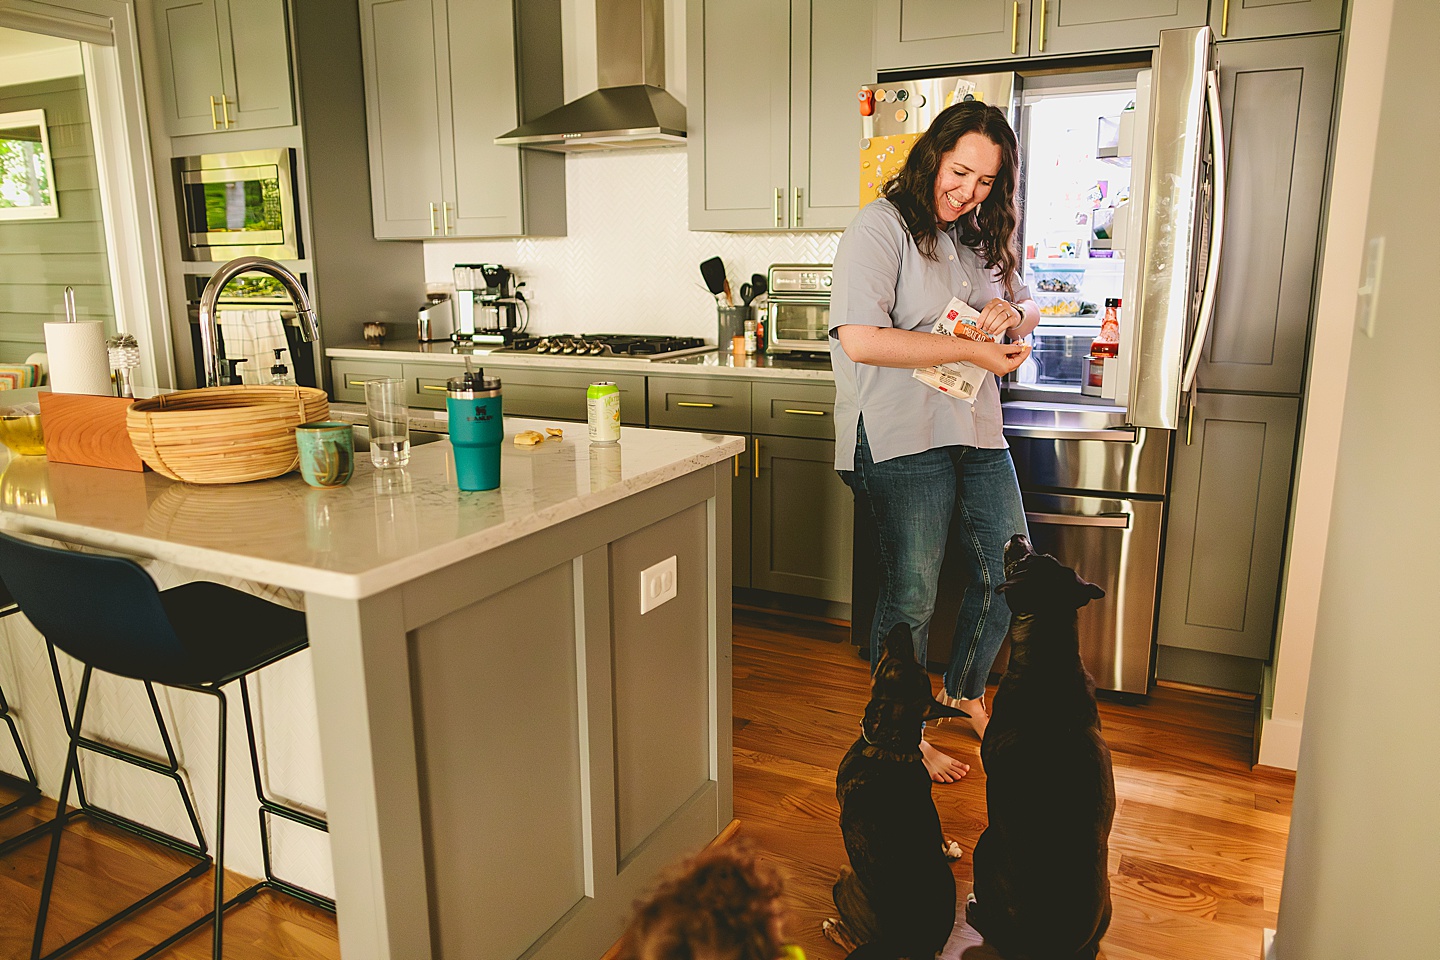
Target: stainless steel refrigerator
{"x":1123,"y":198}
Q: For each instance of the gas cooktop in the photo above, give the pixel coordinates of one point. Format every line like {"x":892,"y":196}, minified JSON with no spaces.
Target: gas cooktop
{"x":634,"y":346}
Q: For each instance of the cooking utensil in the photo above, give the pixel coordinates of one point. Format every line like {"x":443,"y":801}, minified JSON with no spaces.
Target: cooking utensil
{"x":755,"y":288}
{"x":713,"y":270}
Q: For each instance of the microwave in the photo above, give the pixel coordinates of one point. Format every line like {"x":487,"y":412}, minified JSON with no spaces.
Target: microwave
{"x":238,"y":205}
{"x":797,"y":315}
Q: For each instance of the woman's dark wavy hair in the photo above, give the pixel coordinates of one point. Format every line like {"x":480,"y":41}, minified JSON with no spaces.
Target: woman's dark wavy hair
{"x":991,"y":227}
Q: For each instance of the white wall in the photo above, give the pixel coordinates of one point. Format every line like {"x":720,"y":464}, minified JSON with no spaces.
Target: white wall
{"x":31,"y":57}
{"x":1360,"y":872}
{"x":630,"y":263}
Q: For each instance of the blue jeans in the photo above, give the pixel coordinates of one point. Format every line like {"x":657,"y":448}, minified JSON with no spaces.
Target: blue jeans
{"x":912,"y":500}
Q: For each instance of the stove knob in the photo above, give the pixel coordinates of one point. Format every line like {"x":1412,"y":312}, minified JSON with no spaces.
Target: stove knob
{"x":596,"y":349}
{"x":570,"y":347}
{"x":543,"y":346}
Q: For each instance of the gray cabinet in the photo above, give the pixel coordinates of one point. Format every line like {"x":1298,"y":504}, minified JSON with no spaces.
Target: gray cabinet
{"x":774,"y":127}
{"x":1276,"y":100}
{"x":932,"y":33}
{"x":935,"y":33}
{"x":802,"y":519}
{"x":1086,"y":26}
{"x":223,"y":67}
{"x":741,"y":510}
{"x":1242,"y":19}
{"x":442,"y":81}
{"x":1229,"y":496}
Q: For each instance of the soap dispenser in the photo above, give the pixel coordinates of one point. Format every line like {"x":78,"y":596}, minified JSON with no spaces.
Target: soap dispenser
{"x":279,"y":373}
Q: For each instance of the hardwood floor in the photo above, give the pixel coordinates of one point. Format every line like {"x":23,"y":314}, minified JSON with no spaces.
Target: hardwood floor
{"x":1196,"y":853}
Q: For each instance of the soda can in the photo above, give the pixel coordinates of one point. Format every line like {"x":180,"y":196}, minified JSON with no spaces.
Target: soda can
{"x":602,"y":409}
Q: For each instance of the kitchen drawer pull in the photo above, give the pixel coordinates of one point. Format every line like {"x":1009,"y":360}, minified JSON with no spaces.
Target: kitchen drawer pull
{"x":1121,"y":435}
{"x":690,"y":403}
{"x":351,"y":382}
{"x":806,"y":413}
{"x":795,"y":208}
{"x":757,"y":458}
{"x":1015,"y":27}
{"x":214,"y":120}
{"x":225,"y":109}
{"x":433,"y":229}
{"x":445,"y":216}
{"x":1044,"y":4}
{"x":1225,"y":19}
{"x":433,"y":387}
{"x":779,"y":206}
{"x":1118,"y":520}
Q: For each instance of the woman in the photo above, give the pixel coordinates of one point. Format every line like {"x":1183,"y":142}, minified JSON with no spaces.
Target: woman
{"x":944,"y":227}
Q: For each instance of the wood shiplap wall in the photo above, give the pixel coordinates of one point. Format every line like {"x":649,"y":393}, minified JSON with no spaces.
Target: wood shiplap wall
{"x":39,"y":258}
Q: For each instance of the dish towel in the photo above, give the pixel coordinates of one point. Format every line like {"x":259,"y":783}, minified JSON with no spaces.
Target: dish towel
{"x":255,"y":335}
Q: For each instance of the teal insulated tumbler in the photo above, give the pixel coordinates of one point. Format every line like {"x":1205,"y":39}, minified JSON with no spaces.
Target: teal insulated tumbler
{"x":472,"y":403}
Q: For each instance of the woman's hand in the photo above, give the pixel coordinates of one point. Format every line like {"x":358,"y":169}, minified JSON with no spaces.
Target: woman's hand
{"x":1000,"y":358}
{"x":998,"y":317}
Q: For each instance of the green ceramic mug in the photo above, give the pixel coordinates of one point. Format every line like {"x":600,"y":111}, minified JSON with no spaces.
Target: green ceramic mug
{"x":327,"y":452}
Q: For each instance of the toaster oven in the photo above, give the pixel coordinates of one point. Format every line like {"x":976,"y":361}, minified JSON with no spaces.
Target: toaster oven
{"x":797,"y":317}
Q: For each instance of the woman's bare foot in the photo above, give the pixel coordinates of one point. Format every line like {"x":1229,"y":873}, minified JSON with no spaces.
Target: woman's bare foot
{"x":942,"y":768}
{"x":978,"y":718}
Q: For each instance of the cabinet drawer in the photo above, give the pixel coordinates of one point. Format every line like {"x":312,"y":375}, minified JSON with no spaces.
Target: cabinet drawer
{"x":427,"y":383}
{"x":716,"y":406}
{"x":556,"y":395}
{"x":349,"y":377}
{"x":794,"y":410}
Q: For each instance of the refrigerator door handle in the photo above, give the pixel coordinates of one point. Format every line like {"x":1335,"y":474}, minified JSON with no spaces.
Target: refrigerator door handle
{"x":1217,"y":231}
{"x":1115,"y":435}
{"x":1121,"y":520}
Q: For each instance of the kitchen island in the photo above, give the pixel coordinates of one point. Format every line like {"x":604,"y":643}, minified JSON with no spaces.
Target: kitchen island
{"x":511,"y":749}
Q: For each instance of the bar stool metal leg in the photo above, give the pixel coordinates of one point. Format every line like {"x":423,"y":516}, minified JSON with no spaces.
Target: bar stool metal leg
{"x":28,"y":787}
{"x":270,"y":807}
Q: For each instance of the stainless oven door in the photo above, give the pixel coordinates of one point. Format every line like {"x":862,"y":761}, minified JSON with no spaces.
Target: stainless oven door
{"x":1114,"y":543}
{"x":797,"y":324}
{"x":238,"y":204}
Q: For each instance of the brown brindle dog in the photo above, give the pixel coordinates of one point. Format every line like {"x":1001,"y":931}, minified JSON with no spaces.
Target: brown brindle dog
{"x":1041,"y":887}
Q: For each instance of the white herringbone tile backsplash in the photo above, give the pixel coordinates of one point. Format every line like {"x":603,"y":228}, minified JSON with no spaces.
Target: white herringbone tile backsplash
{"x":630,"y":263}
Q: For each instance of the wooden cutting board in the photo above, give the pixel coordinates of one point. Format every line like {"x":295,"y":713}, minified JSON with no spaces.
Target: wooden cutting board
{"x":88,"y":430}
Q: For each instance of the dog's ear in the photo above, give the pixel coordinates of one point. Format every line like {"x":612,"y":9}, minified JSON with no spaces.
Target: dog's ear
{"x":1086,"y":591}
{"x":935,"y":710}
{"x":900,"y":643}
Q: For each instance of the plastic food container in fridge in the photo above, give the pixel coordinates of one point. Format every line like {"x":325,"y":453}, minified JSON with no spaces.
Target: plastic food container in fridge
{"x":1056,"y":276}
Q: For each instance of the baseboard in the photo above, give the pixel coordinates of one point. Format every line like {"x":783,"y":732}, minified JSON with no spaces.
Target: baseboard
{"x":1280,"y":743}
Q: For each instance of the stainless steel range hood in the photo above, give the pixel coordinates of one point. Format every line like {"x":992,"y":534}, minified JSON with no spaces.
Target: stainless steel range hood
{"x":631,"y":108}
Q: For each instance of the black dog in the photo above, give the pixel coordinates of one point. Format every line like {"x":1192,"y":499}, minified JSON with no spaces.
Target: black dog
{"x":898,"y":897}
{"x":1041,"y":888}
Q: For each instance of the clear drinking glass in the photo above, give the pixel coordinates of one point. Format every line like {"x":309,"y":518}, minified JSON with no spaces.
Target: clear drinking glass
{"x":389,"y":416}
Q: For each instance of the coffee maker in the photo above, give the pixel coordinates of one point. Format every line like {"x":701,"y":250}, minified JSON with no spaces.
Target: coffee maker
{"x":485,"y":303}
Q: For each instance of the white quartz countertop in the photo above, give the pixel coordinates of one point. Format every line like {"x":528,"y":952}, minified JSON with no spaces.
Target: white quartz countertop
{"x":709,"y":363}
{"x":382,"y":529}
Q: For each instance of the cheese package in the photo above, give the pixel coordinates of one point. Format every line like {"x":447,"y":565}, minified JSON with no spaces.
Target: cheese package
{"x":960,"y":379}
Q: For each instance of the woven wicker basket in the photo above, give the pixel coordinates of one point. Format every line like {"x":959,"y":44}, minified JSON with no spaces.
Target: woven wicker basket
{"x":224,"y":434}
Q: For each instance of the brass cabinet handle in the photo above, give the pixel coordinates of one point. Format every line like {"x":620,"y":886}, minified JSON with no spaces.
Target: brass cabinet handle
{"x":757,"y":458}
{"x":433,"y":387}
{"x":349,"y":382}
{"x":433,"y":229}
{"x":1015,"y":27}
{"x":445,"y":216}
{"x":1225,"y":18}
{"x":1044,"y":4}
{"x":214,"y":120}
{"x":687,"y":403}
{"x":225,"y":109}
{"x":779,"y":206}
{"x":736,"y":458}
{"x":807,"y":413}
{"x":795,"y":208}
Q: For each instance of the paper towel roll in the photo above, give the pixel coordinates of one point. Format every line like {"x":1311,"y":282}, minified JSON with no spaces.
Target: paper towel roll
{"x":79,"y":362}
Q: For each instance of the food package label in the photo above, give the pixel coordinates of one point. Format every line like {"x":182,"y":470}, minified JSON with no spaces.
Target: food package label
{"x":960,"y":379}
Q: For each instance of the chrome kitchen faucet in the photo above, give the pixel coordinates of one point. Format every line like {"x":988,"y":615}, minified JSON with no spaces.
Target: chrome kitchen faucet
{"x":210,"y":330}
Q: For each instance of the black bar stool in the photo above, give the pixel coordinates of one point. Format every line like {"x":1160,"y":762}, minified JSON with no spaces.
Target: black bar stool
{"x":28,"y":789}
{"x":107,"y":613}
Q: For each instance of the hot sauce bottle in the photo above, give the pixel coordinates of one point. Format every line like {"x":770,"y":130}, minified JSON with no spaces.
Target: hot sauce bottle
{"x":1103,"y":347}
